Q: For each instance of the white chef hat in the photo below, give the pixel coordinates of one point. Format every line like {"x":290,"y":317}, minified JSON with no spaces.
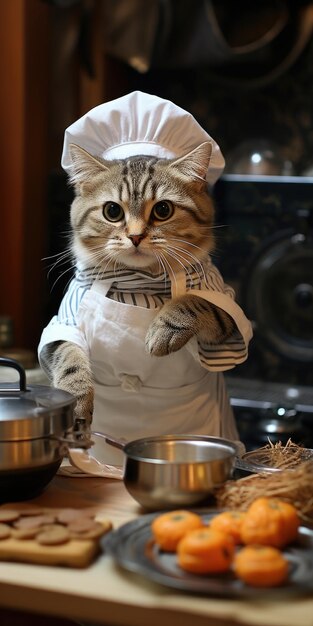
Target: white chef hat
{"x":140,"y":123}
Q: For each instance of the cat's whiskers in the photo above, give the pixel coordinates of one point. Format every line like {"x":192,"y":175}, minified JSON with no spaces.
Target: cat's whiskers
{"x":97,"y":263}
{"x":184,"y":257}
{"x":104,"y":258}
{"x":69,"y":269}
{"x":188,"y":255}
{"x":99,"y":253}
{"x":212,"y":227}
{"x":100,"y":259}
{"x":61,"y":254}
{"x":171,"y":272}
{"x":116,"y":264}
{"x":183,"y":261}
{"x":161,"y":266}
{"x":178,"y":258}
{"x":107,"y":265}
{"x":198,"y":264}
{"x":64,"y":257}
{"x":188,"y":243}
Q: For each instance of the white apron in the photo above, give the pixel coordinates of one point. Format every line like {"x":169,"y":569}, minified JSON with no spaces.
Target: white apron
{"x":139,"y":395}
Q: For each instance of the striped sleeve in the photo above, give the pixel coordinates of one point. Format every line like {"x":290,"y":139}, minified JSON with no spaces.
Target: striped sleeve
{"x":234,"y":350}
{"x":63,"y":326}
{"x":68,"y":309}
{"x":224,"y":356}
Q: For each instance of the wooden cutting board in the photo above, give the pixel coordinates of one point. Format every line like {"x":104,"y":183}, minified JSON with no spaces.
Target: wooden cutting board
{"x":75,"y":552}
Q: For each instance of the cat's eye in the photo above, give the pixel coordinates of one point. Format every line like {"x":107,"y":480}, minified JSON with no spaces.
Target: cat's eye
{"x":162,"y":210}
{"x":113,"y":212}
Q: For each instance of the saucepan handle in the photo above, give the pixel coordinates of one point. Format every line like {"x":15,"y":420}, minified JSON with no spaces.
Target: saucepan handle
{"x":88,"y":464}
{"x":117,"y":443}
{"x":82,"y":460}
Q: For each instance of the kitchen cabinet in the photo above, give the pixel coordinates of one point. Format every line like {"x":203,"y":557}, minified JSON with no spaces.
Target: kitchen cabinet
{"x":44,"y":89}
{"x":23,"y":125}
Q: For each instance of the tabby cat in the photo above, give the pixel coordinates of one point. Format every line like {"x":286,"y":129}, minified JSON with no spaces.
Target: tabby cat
{"x":147,"y":214}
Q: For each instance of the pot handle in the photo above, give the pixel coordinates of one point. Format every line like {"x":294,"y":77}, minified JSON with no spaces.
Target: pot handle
{"x":117,"y":443}
{"x":89,"y":465}
{"x":5,"y":362}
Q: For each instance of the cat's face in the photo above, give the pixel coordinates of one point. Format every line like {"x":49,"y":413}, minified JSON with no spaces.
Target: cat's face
{"x":141,"y":212}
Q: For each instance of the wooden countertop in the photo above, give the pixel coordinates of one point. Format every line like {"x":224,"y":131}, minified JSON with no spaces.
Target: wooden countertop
{"x":105,"y":593}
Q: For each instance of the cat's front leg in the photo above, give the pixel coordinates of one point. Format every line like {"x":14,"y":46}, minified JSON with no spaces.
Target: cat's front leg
{"x":69,"y":369}
{"x":185,"y":317}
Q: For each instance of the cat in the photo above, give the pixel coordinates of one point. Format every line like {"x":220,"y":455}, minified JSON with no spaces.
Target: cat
{"x":149,"y":215}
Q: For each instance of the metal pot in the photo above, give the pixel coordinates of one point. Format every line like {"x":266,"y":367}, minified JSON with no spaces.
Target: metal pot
{"x":35,"y":427}
{"x":170,"y":471}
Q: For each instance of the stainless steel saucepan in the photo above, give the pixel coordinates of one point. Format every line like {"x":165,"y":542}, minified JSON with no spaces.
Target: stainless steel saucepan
{"x":170,"y":471}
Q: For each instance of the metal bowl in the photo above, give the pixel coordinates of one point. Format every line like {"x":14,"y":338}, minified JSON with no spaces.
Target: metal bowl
{"x":256,"y":461}
{"x":172,"y":471}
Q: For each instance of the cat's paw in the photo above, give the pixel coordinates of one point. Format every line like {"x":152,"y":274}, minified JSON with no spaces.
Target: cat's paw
{"x":84,"y":406}
{"x":165,"y":336}
{"x":83,"y":413}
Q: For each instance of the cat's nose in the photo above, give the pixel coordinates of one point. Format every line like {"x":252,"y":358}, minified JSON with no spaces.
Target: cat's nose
{"x":136,"y":239}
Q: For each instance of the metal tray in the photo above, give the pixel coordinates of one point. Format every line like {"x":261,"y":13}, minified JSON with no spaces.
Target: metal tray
{"x":133,"y":548}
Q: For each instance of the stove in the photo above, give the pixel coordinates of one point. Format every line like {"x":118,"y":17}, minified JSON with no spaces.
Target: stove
{"x":271,"y":412}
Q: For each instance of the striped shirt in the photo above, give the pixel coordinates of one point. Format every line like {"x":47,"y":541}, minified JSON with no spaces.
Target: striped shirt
{"x":148,"y":290}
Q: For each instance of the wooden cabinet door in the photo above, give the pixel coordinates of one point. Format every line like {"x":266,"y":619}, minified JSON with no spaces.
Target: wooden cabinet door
{"x":23,"y":171}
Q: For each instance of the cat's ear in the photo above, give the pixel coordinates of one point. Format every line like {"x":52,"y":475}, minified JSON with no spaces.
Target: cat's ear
{"x":84,"y":165}
{"x":195,"y":164}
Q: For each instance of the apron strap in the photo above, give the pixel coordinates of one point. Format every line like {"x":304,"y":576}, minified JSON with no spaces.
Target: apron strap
{"x":178,"y":284}
{"x":101,"y":286}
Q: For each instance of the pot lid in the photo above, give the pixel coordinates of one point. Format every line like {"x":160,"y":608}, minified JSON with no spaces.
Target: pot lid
{"x":32,"y":412}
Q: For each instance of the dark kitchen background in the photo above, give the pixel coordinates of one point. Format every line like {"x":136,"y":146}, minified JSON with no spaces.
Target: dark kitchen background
{"x":245,"y":71}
